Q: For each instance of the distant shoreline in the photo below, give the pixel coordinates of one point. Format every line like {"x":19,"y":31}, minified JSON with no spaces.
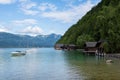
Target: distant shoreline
{"x":26,"y":47}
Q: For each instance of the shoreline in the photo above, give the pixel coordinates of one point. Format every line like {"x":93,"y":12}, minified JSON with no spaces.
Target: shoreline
{"x":113,"y":56}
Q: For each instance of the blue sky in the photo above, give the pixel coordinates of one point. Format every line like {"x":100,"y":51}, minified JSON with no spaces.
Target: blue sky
{"x":34,"y":17}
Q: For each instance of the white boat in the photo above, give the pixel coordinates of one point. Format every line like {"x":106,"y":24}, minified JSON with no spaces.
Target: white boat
{"x":18,"y":53}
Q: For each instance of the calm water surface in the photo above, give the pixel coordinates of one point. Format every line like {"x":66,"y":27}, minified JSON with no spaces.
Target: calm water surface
{"x":50,"y":64}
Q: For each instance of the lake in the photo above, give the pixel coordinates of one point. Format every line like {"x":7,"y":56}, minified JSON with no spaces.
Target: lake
{"x":51,"y":64}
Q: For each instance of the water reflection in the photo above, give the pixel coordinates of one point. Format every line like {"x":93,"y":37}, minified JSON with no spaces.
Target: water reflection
{"x":50,"y":64}
{"x":92,"y":68}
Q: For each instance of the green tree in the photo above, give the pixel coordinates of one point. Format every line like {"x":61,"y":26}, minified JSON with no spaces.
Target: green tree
{"x":82,"y":39}
{"x":101,"y":23}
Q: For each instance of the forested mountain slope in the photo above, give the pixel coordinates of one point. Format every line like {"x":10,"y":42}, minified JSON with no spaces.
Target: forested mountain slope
{"x":102,"y":22}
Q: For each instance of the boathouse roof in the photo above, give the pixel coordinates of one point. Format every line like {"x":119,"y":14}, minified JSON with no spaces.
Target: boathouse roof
{"x":91,"y":44}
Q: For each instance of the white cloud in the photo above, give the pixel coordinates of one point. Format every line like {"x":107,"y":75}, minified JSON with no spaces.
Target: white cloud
{"x":23,"y":0}
{"x":28,"y":7}
{"x":72,"y":14}
{"x":3,"y":29}
{"x":25,"y":22}
{"x":7,"y":1}
{"x":32,"y":30}
{"x":29,"y":12}
{"x":47,"y":6}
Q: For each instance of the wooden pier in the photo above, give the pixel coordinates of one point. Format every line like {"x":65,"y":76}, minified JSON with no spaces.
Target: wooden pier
{"x":94,"y":48}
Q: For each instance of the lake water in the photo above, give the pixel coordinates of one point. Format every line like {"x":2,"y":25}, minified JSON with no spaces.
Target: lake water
{"x":50,"y":64}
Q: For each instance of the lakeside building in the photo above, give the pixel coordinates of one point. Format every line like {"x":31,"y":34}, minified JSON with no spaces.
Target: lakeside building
{"x":94,"y":48}
{"x":65,"y":47}
{"x":90,"y":48}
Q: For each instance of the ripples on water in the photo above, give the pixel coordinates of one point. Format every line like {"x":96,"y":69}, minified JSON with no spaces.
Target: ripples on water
{"x":50,"y":64}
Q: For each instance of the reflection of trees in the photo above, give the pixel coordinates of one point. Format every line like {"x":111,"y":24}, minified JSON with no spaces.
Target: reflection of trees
{"x":90,"y":67}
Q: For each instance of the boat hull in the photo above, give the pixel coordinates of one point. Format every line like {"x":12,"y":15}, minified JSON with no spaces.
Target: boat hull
{"x":18,"y":53}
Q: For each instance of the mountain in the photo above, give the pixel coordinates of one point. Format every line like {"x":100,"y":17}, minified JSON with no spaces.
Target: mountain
{"x":102,"y":22}
{"x":14,"y":40}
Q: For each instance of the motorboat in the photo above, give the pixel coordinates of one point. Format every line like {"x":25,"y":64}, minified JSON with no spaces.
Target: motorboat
{"x":18,"y":53}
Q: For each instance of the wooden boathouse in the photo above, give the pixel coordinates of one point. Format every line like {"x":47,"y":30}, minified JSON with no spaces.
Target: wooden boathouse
{"x":94,"y":48}
{"x":59,"y":46}
{"x":65,"y":47}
